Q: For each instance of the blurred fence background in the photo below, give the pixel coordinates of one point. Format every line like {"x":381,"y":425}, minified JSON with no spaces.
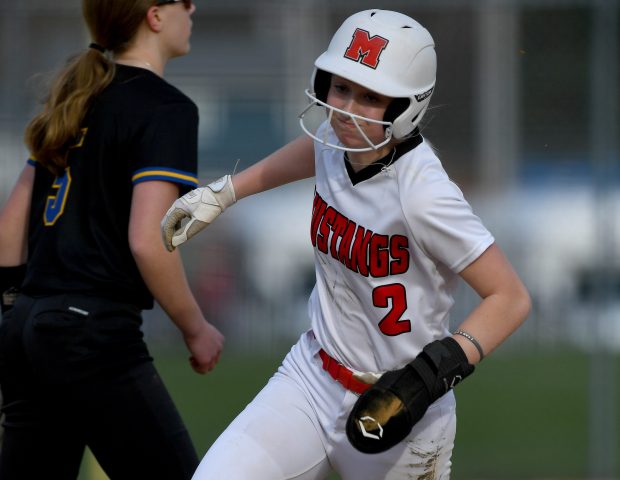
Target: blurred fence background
{"x":525,"y":117}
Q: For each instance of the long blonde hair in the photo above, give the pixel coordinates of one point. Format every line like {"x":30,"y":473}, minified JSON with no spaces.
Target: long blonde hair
{"x":112,"y":25}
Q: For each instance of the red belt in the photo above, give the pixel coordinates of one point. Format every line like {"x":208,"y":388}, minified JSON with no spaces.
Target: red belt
{"x":342,"y":374}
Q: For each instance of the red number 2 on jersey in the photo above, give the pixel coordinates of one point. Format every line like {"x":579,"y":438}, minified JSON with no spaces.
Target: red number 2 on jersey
{"x":392,"y":324}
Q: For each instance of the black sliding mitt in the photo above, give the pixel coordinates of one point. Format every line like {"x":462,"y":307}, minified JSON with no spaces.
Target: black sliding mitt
{"x":385,"y":414}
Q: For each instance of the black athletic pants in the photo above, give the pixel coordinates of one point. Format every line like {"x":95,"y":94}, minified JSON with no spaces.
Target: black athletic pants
{"x":75,"y":372}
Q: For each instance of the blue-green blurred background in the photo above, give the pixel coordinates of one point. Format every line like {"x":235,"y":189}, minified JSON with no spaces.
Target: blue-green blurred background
{"x":526,"y":119}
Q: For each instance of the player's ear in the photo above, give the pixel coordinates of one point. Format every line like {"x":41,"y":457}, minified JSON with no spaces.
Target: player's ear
{"x":154,"y":19}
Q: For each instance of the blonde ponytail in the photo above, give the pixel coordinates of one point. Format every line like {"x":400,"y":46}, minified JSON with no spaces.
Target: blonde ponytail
{"x":54,"y":130}
{"x":112,"y":25}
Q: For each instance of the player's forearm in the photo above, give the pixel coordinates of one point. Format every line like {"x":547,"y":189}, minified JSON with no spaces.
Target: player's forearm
{"x":164,"y":276}
{"x":504,"y":307}
{"x":14,"y":221}
{"x":162,"y":272}
{"x":294,"y":161}
{"x":492,"y":322}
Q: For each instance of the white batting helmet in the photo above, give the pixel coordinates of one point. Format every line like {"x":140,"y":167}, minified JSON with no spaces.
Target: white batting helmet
{"x":388,"y":53}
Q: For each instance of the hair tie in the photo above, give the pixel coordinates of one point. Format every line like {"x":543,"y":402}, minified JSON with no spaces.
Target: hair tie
{"x":96,"y":46}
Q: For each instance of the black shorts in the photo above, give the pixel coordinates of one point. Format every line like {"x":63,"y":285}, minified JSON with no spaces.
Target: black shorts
{"x":75,"y":371}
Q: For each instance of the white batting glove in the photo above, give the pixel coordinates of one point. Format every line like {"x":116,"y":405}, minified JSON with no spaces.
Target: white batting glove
{"x":201,"y":206}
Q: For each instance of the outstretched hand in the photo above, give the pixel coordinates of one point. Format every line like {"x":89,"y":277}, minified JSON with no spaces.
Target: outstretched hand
{"x":200,"y":207}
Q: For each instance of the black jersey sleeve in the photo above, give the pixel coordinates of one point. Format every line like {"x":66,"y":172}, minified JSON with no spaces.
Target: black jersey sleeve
{"x":168,"y":147}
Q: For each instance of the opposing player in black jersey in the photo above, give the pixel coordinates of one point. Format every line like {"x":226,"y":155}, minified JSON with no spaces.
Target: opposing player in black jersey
{"x":114,"y":145}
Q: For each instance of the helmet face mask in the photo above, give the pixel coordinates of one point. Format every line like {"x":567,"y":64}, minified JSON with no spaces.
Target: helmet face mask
{"x":355,"y":119}
{"x":388,"y":53}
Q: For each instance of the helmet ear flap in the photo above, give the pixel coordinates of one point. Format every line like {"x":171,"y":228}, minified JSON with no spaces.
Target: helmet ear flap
{"x":322,"y":82}
{"x":395,"y":109}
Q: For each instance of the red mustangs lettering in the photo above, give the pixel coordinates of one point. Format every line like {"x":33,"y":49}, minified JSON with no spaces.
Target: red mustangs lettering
{"x":359,"y":249}
{"x":366,"y":49}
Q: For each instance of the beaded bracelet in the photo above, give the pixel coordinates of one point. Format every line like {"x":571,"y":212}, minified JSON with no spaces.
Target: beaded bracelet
{"x":472,"y":340}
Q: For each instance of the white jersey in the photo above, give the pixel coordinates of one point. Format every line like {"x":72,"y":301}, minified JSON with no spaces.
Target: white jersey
{"x":389,"y":243}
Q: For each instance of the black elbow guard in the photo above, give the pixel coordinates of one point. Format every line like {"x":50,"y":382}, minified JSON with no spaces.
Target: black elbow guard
{"x":11,"y":279}
{"x":385,"y":414}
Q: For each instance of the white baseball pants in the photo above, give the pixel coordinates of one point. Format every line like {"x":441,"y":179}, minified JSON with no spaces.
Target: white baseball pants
{"x":295,"y":429}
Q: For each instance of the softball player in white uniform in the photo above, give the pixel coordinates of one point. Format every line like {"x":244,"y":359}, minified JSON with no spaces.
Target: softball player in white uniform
{"x":366,"y":392}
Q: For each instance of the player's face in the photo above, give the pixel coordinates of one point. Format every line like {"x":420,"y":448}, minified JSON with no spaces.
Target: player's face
{"x":178,"y":26}
{"x":354,"y":98}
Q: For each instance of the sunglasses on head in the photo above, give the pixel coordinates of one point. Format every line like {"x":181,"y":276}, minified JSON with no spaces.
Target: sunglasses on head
{"x":186,"y":3}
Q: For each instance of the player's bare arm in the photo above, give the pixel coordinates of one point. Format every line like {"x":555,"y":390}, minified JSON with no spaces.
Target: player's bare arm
{"x":294,"y":161}
{"x":504,"y":307}
{"x":14,"y":238}
{"x":197,"y":209}
{"x":14,"y":221}
{"x":164,"y":274}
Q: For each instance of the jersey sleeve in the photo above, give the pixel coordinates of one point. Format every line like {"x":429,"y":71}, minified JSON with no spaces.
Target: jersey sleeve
{"x":443,"y":223}
{"x":168,"y":147}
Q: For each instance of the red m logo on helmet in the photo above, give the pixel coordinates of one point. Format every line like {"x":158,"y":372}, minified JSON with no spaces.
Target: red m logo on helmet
{"x":366,"y":49}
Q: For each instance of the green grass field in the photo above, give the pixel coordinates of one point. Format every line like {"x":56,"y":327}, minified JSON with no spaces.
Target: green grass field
{"x":520,"y":417}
